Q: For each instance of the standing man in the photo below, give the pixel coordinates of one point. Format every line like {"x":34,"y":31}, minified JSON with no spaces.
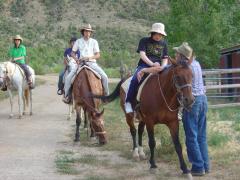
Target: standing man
{"x":195,"y":120}
{"x":89,"y":52}
{"x":153,"y":53}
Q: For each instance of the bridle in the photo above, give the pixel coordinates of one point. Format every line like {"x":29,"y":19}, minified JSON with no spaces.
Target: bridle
{"x":179,"y":91}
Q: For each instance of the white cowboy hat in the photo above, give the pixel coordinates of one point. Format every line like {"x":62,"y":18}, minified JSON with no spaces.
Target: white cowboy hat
{"x":185,"y":50}
{"x":87,"y":27}
{"x":158,"y":28}
{"x":18,"y":37}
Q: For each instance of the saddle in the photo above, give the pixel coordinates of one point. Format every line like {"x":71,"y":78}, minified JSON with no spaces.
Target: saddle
{"x":81,"y":68}
{"x":126,"y":84}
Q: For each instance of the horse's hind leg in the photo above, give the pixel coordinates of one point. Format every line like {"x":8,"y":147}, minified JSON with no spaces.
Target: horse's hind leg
{"x":141,"y":126}
{"x":133,"y":131}
{"x":174,"y":130}
{"x":78,"y":122}
{"x":31,"y":111}
{"x":20,"y":102}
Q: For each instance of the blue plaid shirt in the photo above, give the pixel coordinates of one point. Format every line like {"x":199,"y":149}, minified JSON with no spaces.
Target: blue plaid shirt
{"x":197,"y":81}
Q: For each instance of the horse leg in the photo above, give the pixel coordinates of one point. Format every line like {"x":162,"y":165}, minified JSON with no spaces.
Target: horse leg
{"x":133,"y":131}
{"x":20,"y":102}
{"x":141,"y":126}
{"x":85,"y":120}
{"x":78,"y":122}
{"x":30,"y":92}
{"x":151,"y":143}
{"x":11,"y":102}
{"x":70,"y":107}
{"x":174,"y":131}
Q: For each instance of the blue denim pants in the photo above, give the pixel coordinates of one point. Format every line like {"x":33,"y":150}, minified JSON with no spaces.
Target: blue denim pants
{"x":133,"y":87}
{"x":195,"y":124}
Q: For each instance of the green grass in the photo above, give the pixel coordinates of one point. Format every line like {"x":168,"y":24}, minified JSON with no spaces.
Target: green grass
{"x":217,"y":139}
{"x":64,"y":164}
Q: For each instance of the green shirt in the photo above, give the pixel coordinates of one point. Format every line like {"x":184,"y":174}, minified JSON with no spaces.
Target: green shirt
{"x":18,"y":52}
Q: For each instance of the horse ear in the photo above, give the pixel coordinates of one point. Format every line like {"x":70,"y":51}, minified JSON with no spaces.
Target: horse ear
{"x":173,"y":61}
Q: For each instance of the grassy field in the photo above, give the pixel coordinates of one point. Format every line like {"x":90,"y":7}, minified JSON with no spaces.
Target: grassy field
{"x":223,"y":140}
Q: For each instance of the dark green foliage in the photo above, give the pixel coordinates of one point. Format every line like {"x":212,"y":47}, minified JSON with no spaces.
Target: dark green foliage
{"x":18,"y":8}
{"x":207,"y":25}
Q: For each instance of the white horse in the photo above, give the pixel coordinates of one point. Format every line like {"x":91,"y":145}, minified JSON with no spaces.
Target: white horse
{"x":13,"y":76}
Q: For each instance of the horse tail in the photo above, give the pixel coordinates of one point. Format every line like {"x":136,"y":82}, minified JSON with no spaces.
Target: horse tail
{"x":113,"y":95}
{"x":26,"y":95}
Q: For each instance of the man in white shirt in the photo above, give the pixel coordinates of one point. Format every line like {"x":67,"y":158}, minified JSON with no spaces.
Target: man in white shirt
{"x":89,"y":52}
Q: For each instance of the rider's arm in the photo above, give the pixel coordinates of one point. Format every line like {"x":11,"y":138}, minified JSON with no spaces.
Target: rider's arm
{"x":95,"y":56}
{"x":144,"y":57}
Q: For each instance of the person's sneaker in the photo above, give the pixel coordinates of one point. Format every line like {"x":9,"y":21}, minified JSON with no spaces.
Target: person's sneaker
{"x":60,"y":92}
{"x":66,"y":100}
{"x":200,"y":173}
{"x":128,"y":107}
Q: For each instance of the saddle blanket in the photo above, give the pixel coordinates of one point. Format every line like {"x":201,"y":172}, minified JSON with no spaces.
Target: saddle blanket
{"x":81,"y":68}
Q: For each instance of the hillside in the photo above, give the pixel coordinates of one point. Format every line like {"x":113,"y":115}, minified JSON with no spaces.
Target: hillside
{"x":47,"y":25}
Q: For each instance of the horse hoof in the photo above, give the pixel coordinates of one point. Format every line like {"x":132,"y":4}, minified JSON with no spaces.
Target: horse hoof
{"x":141,"y":153}
{"x":68,"y":118}
{"x":10,"y":116}
{"x":31,"y":114}
{"x":24,"y":113}
{"x":76,"y":140}
{"x":136,"y":155}
{"x":20,"y":117}
{"x":153,"y":166}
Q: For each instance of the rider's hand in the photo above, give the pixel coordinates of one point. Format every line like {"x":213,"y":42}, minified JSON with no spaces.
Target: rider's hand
{"x":140,"y":75}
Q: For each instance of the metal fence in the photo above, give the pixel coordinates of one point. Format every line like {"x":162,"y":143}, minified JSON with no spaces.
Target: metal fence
{"x":223,"y":87}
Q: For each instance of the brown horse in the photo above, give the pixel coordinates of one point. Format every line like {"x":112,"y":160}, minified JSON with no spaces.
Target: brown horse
{"x":85,"y":84}
{"x":159,"y":102}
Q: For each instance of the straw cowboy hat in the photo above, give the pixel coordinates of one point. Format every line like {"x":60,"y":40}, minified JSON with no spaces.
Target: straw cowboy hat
{"x":87,"y":27}
{"x":18,"y":37}
{"x":185,"y":50}
{"x":158,"y":28}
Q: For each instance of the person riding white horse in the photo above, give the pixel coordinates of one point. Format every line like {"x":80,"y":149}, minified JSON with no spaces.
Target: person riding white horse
{"x":18,"y":55}
{"x":12,"y":76}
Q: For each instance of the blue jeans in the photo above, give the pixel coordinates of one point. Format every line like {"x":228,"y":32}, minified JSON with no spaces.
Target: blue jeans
{"x":60,"y":80}
{"x":195,"y":124}
{"x":133,"y":87}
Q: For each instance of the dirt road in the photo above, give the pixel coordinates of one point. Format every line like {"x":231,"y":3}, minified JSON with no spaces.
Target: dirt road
{"x":31,"y":148}
{"x":28,"y":145}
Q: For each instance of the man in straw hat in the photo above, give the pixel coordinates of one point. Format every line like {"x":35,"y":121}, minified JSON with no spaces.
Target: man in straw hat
{"x":18,"y":55}
{"x":89,"y":52}
{"x":153,"y":53}
{"x":195,"y":120}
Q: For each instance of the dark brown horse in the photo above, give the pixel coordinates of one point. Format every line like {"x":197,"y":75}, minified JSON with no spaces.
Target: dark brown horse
{"x":159,"y":102}
{"x":85,"y":84}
